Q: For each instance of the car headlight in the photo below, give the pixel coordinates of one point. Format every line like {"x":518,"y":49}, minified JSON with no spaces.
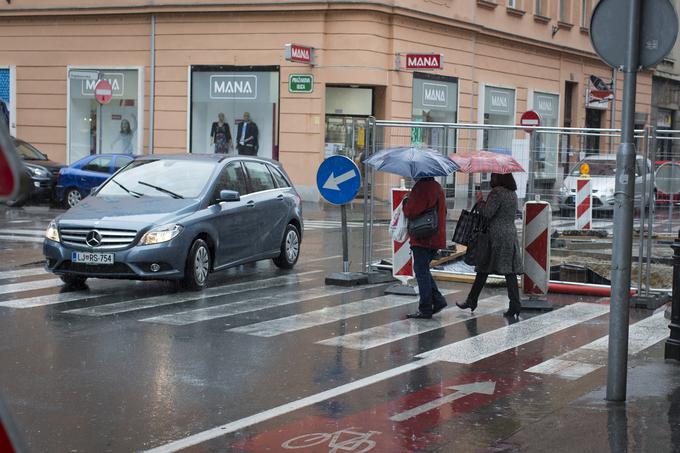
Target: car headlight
{"x":41,"y":173}
{"x":52,"y":232}
{"x":160,"y":234}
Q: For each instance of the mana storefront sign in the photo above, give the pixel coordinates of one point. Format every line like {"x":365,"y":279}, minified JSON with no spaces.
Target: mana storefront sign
{"x":420,"y":60}
{"x":233,"y":87}
{"x":435,"y":95}
{"x":299,"y":54}
{"x":116,"y":79}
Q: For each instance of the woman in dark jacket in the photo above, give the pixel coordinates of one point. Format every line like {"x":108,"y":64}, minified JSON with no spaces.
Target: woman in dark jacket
{"x":505,"y":257}
{"x":426,"y":194}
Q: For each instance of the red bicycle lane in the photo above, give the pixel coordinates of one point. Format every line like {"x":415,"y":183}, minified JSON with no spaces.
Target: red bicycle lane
{"x":404,"y":424}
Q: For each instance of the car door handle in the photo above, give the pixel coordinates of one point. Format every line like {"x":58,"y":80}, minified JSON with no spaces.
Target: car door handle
{"x":250,"y":204}
{"x":280,"y":197}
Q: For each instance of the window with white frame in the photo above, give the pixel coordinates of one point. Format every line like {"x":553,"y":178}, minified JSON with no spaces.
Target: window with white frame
{"x":512,"y":4}
{"x":585,"y":13}
{"x":538,"y":8}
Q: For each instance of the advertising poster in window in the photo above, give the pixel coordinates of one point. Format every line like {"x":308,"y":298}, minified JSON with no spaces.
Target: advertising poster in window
{"x":234,"y":112}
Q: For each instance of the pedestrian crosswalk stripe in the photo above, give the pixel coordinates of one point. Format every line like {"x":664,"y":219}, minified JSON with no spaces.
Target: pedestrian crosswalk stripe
{"x":326,"y":315}
{"x":53,"y":299}
{"x":388,"y":333}
{"x":21,"y":238}
{"x":29,"y":286}
{"x":27,"y":272}
{"x":586,"y":359}
{"x":280,"y":299}
{"x":171,"y":299}
{"x":476,"y":348}
{"x":23,"y":231}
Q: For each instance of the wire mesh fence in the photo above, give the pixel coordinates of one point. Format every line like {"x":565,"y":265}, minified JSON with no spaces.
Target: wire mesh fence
{"x":552,"y":158}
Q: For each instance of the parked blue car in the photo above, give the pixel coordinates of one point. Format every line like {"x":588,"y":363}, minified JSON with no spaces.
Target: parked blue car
{"x":77,"y":180}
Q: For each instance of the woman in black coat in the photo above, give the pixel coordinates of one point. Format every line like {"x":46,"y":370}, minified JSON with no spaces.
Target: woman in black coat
{"x":505,"y":256}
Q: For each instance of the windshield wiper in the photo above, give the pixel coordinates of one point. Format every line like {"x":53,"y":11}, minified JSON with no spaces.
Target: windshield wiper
{"x":134,"y":194}
{"x":160,"y":189}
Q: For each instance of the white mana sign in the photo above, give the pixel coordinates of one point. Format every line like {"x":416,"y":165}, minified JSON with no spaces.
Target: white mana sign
{"x":233,"y":87}
{"x":116,"y":80}
{"x":434,"y":95}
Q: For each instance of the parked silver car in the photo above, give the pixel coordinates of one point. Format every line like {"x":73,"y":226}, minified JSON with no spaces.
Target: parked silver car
{"x":603,"y":175}
{"x":179,"y":218}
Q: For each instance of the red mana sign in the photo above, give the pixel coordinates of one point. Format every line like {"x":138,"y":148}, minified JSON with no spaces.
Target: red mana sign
{"x":424,"y":61}
{"x":300,"y":54}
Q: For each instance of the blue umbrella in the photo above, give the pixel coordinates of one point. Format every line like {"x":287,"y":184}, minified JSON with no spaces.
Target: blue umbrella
{"x":412,"y":162}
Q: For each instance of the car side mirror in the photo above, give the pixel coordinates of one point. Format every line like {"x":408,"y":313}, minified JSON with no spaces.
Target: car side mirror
{"x":229,"y":195}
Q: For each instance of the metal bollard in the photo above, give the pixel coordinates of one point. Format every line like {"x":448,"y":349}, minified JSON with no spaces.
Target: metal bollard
{"x":673,"y":343}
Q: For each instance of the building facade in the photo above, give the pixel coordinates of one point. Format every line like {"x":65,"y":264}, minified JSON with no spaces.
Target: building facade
{"x":174,"y":68}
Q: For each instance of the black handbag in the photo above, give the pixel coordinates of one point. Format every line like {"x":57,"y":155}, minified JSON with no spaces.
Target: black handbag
{"x":425,"y":225}
{"x":479,"y":247}
{"x":468,"y":222}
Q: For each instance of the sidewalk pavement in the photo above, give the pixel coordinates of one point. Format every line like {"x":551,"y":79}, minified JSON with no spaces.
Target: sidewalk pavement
{"x":649,"y":420}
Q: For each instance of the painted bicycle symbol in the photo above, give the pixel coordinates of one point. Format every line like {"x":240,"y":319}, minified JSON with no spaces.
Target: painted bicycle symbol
{"x":343,"y":440}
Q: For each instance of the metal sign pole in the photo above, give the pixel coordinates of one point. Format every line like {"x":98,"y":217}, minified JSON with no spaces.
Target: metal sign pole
{"x":623,"y":216}
{"x":345,"y":250}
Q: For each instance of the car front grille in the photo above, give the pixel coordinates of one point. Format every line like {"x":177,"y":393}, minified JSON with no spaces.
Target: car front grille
{"x":110,"y":238}
{"x":115,"y":268}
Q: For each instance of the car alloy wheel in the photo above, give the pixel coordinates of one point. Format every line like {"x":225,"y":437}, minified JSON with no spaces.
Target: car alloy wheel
{"x":201,"y":265}
{"x":292,"y":246}
{"x":73,"y":197}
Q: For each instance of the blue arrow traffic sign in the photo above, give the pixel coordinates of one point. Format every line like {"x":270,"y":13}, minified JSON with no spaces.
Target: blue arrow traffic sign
{"x":338,"y":179}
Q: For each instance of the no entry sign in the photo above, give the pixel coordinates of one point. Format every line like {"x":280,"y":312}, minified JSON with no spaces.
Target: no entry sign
{"x":103,"y":92}
{"x":530,"y":119}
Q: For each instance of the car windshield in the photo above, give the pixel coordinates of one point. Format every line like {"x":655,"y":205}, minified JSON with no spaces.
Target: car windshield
{"x":597,"y":168}
{"x":28,"y":152}
{"x":160,"y":178}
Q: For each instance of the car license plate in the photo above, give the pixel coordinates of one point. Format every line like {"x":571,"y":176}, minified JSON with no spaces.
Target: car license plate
{"x":92,"y":258}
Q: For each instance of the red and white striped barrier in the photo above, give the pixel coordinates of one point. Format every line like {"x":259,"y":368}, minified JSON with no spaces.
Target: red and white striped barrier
{"x":584,"y":203}
{"x":402,"y":260}
{"x":537,"y":219}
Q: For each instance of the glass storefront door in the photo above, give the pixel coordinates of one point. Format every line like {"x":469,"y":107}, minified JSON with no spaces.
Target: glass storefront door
{"x":547,"y":152}
{"x":110,"y":128}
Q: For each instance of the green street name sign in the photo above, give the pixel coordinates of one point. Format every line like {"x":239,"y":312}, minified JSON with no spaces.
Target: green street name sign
{"x":300,"y":83}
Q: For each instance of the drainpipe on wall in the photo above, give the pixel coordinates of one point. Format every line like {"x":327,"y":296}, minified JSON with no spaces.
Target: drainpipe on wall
{"x":152,"y":82}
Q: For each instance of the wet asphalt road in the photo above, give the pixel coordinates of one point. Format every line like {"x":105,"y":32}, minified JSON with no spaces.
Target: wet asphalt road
{"x":268,"y":360}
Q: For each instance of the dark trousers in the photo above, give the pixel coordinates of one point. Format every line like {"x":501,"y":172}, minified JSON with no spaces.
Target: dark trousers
{"x":247,"y":150}
{"x":510,"y":281}
{"x":429,"y":293}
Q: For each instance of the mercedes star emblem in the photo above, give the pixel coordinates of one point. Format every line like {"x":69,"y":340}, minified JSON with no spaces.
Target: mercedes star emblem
{"x":93,"y":238}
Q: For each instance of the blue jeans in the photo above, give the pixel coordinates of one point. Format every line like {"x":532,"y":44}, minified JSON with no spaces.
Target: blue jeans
{"x":429,"y":293}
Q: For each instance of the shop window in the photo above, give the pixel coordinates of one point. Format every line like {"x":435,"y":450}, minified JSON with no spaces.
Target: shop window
{"x":499,"y":109}
{"x":547,"y":152}
{"x":110,"y":128}
{"x":7,"y":94}
{"x":347,"y":110}
{"x":435,"y":100}
{"x":220,"y":99}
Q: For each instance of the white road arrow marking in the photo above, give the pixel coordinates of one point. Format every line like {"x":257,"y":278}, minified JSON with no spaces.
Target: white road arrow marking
{"x":486,"y":388}
{"x":333,"y":181}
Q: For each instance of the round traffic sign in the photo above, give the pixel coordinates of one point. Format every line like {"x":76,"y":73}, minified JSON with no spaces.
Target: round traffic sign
{"x":530,"y":118}
{"x":667,"y":178}
{"x":103,"y":92}
{"x":609,"y":33}
{"x":338,"y":179}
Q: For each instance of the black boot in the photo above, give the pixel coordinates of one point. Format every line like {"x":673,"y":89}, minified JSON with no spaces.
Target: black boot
{"x":513,"y":310}
{"x":468,"y":304}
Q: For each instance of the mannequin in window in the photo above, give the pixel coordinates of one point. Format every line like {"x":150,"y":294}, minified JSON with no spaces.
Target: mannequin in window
{"x":246,"y":136}
{"x":220,"y":136}
{"x":125,"y":139}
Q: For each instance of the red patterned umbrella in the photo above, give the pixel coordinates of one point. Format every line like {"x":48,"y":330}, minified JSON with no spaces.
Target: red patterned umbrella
{"x":485,"y":162}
